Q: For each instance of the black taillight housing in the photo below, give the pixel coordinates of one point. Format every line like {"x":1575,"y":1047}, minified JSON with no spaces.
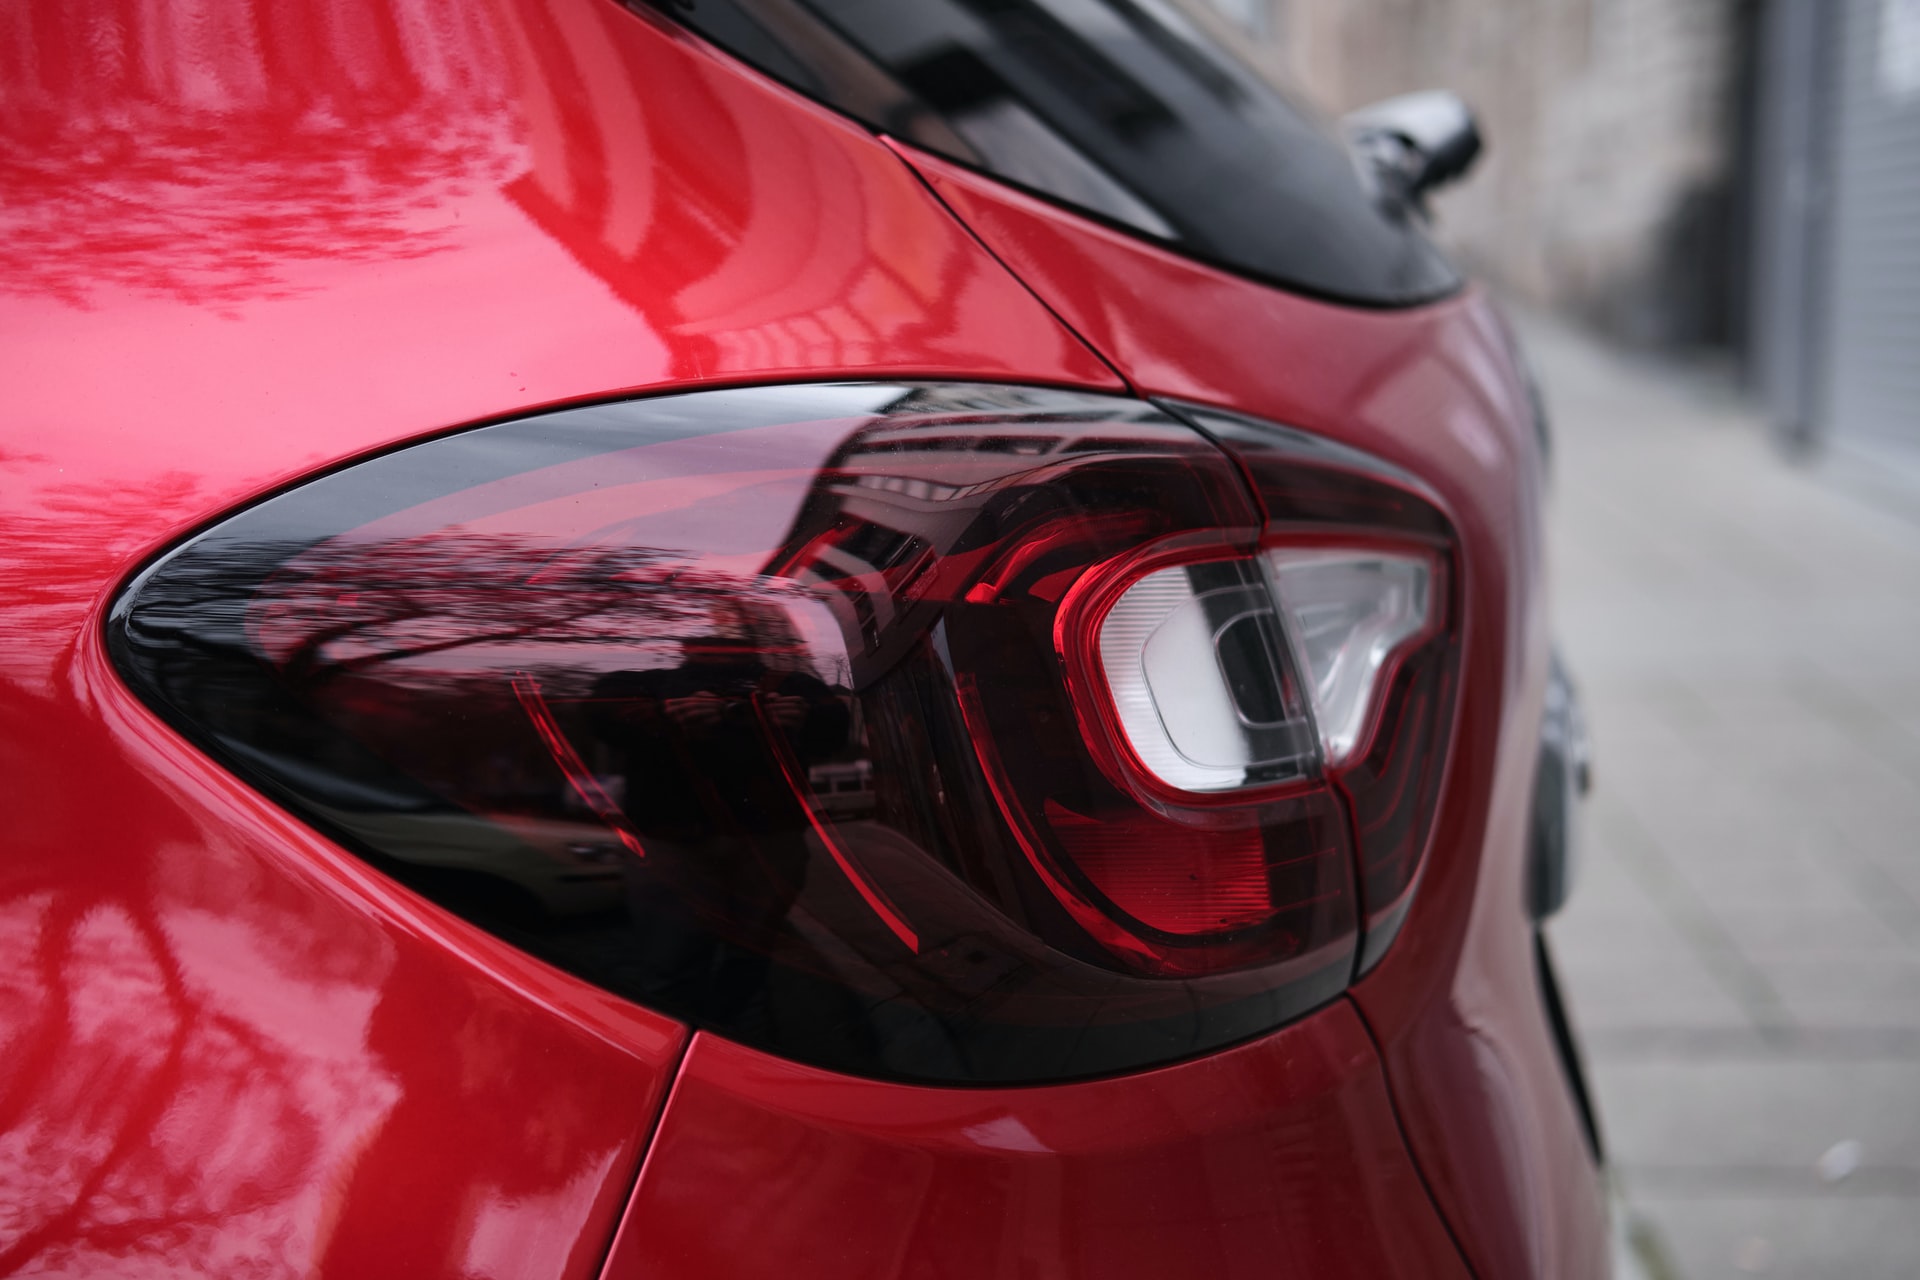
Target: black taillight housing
{"x":947,"y":732}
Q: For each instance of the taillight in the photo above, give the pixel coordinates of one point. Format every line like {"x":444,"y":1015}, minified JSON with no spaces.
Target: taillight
{"x":1362,"y":557}
{"x":947,"y":732}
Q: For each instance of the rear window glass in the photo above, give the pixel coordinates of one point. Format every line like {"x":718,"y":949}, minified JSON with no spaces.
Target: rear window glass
{"x":1120,"y":108}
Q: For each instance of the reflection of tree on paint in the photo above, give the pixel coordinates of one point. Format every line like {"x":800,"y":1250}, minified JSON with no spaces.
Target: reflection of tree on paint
{"x":207,"y":153}
{"x":192,"y":153}
{"x":212,"y":1066}
{"x":73,"y":528}
{"x":95,"y":1168}
{"x":482,"y":1056}
{"x":144,"y":1113}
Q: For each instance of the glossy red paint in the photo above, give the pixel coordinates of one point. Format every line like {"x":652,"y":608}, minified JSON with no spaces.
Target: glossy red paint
{"x":235,"y":1049}
{"x":243,"y":243}
{"x":238,"y":244}
{"x":1279,"y":1158}
{"x":1454,"y":1004}
{"x":428,"y":213}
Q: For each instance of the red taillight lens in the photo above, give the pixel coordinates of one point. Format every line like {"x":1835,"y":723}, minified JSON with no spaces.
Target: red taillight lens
{"x":1363,"y":560}
{"x":803,"y":714}
{"x":1215,"y":842}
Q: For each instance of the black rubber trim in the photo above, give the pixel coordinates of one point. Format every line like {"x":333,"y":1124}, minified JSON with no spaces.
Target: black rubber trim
{"x":1571,"y":1059}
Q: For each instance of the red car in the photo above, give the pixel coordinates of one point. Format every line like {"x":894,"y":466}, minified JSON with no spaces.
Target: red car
{"x":761,"y":637}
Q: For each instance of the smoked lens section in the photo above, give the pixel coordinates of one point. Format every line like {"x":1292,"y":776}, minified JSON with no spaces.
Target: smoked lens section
{"x":747,"y":705}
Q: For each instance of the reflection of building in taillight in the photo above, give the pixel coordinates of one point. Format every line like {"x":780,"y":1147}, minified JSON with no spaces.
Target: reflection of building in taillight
{"x":842,"y":790}
{"x":884,"y":530}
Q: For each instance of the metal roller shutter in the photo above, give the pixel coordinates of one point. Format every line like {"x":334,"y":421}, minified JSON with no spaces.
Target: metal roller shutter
{"x":1873,"y":339}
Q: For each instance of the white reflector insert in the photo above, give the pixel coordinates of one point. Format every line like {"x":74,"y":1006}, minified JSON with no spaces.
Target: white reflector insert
{"x":1195,"y":661}
{"x":1347,"y":613}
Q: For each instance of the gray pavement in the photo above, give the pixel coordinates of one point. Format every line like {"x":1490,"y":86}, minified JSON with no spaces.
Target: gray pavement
{"x":1742,"y":951}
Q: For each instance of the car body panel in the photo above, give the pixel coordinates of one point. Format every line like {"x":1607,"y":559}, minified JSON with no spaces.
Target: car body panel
{"x":1455,"y":1003}
{"x":1278,"y":1158}
{"x":235,"y":1049}
{"x":244,"y":247}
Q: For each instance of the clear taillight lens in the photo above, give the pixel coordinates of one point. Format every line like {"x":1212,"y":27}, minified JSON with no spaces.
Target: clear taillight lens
{"x":1350,"y":613}
{"x":946,"y":732}
{"x":1196,"y":664}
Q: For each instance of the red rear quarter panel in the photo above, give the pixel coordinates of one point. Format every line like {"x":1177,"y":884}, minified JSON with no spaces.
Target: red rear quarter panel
{"x":242,"y":244}
{"x":1278,"y":1158}
{"x":1455,"y":1004}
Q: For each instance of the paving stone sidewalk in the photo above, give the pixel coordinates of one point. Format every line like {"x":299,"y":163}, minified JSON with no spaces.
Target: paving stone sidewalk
{"x":1742,"y":951}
